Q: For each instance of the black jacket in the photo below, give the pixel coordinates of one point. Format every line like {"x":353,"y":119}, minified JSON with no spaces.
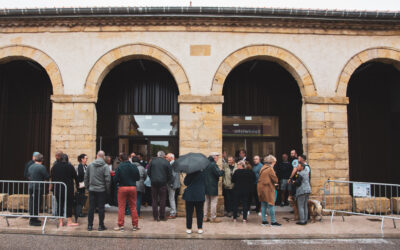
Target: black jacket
{"x":81,"y":175}
{"x":159,"y":172}
{"x":126,"y":174}
{"x":284,"y":170}
{"x":244,"y":181}
{"x":27,"y":165}
{"x":64,"y":172}
{"x":196,"y":187}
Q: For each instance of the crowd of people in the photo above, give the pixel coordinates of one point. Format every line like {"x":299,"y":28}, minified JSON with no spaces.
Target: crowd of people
{"x":130,"y":182}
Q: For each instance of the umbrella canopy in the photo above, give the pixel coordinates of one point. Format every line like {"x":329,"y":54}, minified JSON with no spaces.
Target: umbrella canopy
{"x":190,"y":163}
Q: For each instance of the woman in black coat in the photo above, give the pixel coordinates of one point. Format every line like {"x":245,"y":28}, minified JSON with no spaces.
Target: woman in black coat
{"x":243,"y":179}
{"x":80,"y":197}
{"x":64,"y":172}
{"x":194,"y":196}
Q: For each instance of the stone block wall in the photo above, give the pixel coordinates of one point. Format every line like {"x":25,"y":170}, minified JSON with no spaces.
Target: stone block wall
{"x":73,"y":127}
{"x":326,"y":141}
{"x":200,"y":131}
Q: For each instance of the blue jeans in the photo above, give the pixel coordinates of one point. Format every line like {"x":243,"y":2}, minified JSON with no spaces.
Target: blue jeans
{"x":271,"y":208}
{"x":138,"y":202}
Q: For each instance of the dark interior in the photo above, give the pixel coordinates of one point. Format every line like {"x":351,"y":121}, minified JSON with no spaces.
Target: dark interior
{"x":374,"y":123}
{"x":25,"y":116}
{"x":263,"y":88}
{"x":134,"y":87}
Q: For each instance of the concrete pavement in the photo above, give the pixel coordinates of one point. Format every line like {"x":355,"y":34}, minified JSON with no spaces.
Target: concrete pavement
{"x":23,"y":241}
{"x":352,"y":227}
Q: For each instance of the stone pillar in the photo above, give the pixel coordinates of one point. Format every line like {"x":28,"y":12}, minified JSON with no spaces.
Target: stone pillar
{"x":325,"y":124}
{"x":73,"y":126}
{"x":200,"y":131}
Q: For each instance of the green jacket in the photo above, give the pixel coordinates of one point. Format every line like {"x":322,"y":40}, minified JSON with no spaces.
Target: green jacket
{"x":227,"y":179}
{"x":212,"y":174}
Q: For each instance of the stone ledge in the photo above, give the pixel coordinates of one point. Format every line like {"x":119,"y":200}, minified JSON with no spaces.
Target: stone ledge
{"x":217,"y":99}
{"x":326,"y":100}
{"x":73,"y":99}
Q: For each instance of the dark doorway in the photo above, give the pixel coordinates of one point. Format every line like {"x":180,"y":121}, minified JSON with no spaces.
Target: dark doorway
{"x":374,"y":123}
{"x":262,"y":110}
{"x":138,"y":109}
{"x":25,"y":116}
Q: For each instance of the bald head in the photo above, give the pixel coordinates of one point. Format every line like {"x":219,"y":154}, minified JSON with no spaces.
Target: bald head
{"x":101,"y":154}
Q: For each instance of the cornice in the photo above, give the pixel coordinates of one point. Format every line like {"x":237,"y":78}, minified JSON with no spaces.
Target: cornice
{"x":191,"y":23}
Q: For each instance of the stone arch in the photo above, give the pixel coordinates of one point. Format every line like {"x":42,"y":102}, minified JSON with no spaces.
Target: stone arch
{"x":272,"y":53}
{"x":127,"y":52}
{"x":13,"y":52}
{"x":371,"y":54}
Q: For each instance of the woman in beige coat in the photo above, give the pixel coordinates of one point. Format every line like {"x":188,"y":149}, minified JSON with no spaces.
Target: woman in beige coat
{"x":266,"y":190}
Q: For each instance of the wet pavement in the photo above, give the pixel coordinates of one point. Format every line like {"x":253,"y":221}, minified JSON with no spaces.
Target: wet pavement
{"x":352,"y":227}
{"x":22,"y":241}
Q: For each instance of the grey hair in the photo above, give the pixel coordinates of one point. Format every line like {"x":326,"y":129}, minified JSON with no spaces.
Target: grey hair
{"x":39,"y":157}
{"x":243,"y":163}
{"x":160,"y":154}
{"x":269,"y":159}
{"x":172,"y":155}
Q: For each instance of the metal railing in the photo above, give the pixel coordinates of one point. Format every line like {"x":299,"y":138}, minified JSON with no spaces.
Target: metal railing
{"x":362,"y":198}
{"x":33,"y":199}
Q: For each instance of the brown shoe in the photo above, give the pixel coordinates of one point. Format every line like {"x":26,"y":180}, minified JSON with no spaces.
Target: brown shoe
{"x":206,"y":220}
{"x":216,"y":220}
{"x":171,"y":217}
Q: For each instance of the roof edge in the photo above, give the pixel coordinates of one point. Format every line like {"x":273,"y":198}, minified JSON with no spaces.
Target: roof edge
{"x":199,"y":12}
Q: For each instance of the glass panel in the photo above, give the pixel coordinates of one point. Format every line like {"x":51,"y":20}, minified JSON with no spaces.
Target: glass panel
{"x":250,"y":126}
{"x":263,"y":148}
{"x":148,"y":125}
{"x":168,"y":146}
{"x":233,"y":146}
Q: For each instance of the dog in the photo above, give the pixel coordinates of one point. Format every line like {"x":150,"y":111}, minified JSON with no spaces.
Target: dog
{"x":314,"y":209}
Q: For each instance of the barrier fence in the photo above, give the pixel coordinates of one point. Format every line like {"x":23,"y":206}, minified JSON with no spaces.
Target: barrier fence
{"x":33,"y":199}
{"x":362,"y":198}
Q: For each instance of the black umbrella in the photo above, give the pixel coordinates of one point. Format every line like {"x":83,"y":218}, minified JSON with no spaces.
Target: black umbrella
{"x":190,"y":163}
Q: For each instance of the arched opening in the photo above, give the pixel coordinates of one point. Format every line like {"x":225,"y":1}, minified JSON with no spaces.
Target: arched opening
{"x":25,"y":116}
{"x":262,"y":110}
{"x":374,"y":122}
{"x":137,"y":109}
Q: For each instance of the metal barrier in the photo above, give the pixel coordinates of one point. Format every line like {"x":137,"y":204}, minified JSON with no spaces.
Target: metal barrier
{"x":362,"y":198}
{"x":33,"y":199}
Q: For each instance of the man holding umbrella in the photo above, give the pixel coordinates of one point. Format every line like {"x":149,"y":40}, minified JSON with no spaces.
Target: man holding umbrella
{"x":212,"y":174}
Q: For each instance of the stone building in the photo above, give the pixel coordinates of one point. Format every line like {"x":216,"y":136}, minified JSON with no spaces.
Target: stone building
{"x":326,"y":83}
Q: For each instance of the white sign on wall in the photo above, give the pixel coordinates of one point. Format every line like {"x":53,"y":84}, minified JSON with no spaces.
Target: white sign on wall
{"x":361,"y":190}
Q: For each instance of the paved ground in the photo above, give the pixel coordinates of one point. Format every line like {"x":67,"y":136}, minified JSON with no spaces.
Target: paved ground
{"x":353,"y":227}
{"x":21,"y":241}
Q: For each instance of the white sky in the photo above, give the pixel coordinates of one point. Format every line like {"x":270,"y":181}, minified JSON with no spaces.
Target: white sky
{"x":386,"y":5}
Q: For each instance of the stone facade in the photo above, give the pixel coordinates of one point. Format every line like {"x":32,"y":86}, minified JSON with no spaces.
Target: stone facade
{"x":73,"y":126}
{"x":321,"y":56}
{"x":325,"y":126}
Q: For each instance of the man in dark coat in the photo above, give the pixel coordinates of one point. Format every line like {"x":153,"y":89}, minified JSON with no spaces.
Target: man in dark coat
{"x":28,"y":164}
{"x":36,"y":172}
{"x":212,"y":174}
{"x":160,"y":173}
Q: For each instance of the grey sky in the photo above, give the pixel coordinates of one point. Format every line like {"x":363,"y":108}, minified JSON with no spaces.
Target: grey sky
{"x":386,"y":5}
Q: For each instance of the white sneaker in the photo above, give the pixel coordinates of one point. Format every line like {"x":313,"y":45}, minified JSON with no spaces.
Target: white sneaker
{"x":248,"y":212}
{"x":188,"y":231}
{"x":200,"y":231}
{"x":259,"y":214}
{"x":107,"y":205}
